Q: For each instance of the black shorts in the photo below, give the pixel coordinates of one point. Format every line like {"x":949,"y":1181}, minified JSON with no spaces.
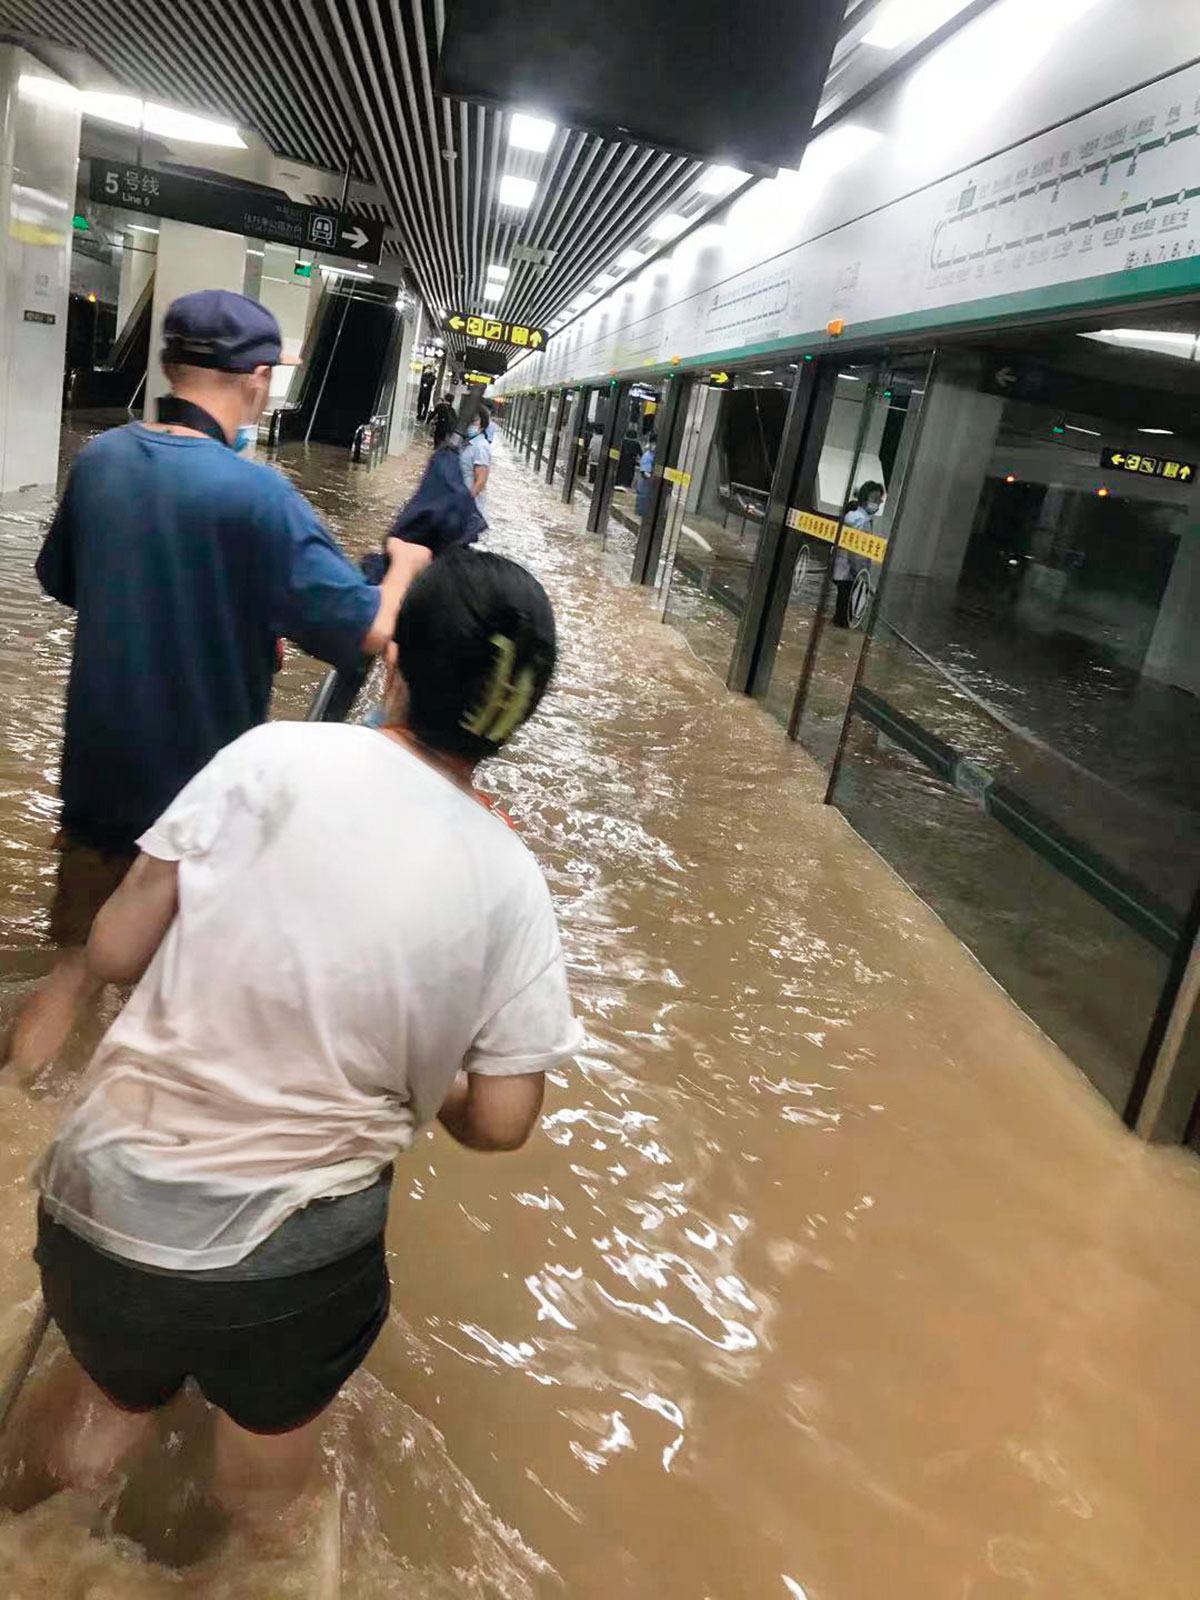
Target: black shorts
{"x":269,"y":1352}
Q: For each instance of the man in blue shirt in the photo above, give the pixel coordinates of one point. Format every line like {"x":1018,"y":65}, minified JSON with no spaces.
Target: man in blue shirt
{"x":184,"y":563}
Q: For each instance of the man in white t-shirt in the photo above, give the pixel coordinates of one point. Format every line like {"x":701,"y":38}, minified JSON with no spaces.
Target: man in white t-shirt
{"x":337,"y":942}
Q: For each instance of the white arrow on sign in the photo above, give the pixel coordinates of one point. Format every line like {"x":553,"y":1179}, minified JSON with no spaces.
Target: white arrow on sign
{"x":356,"y":238}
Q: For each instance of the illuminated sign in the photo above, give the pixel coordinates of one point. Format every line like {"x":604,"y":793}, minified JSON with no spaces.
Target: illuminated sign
{"x":475,"y":325}
{"x":477,"y":377}
{"x":214,"y":202}
{"x":80,"y":223}
{"x":1147,"y":466}
{"x":302,"y":269}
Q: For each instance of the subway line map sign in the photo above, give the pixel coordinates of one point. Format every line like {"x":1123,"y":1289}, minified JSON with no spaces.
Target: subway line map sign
{"x":475,"y":325}
{"x":1147,"y":466}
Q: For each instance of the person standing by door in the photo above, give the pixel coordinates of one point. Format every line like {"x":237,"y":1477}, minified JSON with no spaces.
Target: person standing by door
{"x":847,"y":565}
{"x":184,"y":563}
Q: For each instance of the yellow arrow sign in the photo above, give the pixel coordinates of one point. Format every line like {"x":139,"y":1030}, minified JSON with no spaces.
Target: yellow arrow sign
{"x":718,"y":377}
{"x":456,"y":322}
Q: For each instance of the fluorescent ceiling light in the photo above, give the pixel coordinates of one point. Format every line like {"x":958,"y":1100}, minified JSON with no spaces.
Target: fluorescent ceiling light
{"x":850,"y":377}
{"x":530,"y":133}
{"x":48,"y":91}
{"x":186,"y":126}
{"x":903,"y":20}
{"x":127,"y":111}
{"x":343,"y":272}
{"x":630,"y":260}
{"x":517,"y":192}
{"x":1166,"y":432}
{"x":249,"y":252}
{"x":497,"y":272}
{"x":837,"y":149}
{"x":668,"y":225}
{"x":606,"y":280}
{"x":720,"y":180}
{"x":493,"y":291}
{"x":1159,"y":342}
{"x":1072,"y":427}
{"x":140,"y":227}
{"x":767,"y":372}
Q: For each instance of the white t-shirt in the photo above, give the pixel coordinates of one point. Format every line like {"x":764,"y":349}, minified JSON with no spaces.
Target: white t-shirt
{"x":352,"y":929}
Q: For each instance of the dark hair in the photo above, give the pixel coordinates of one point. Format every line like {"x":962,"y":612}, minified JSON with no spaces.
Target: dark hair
{"x":866,"y":490}
{"x":485,"y":415}
{"x":476,"y":645}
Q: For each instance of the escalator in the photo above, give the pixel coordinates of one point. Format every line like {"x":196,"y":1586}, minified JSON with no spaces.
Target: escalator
{"x":348,"y":367}
{"x":118,"y":381}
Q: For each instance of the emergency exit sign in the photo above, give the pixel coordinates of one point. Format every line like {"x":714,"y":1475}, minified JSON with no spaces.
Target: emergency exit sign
{"x":303,"y":269}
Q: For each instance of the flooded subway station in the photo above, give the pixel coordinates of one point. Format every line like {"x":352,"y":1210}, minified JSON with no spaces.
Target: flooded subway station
{"x":843,"y":361}
{"x":828,"y":1276}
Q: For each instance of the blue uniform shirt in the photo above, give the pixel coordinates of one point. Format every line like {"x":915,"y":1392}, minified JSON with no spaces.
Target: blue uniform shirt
{"x":184,"y":563}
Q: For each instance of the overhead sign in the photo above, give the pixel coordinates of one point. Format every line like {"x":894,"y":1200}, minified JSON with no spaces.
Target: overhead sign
{"x":302,"y":269}
{"x":475,"y":325}
{"x":208,"y":203}
{"x":1147,"y":466}
{"x":477,"y":377}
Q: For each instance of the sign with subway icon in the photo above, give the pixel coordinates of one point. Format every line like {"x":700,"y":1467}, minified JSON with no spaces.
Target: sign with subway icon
{"x":1147,"y":466}
{"x":478,"y":325}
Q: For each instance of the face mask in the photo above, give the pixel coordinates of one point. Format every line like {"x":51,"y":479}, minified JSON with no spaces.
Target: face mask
{"x":247,"y":435}
{"x":473,"y":431}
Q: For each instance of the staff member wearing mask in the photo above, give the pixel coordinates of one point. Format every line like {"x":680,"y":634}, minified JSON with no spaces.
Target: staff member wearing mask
{"x":184,"y":563}
{"x":475,"y":458}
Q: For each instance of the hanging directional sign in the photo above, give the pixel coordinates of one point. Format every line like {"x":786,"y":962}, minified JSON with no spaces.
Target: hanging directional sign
{"x":209,"y":203}
{"x":477,"y":325}
{"x":1147,"y":466}
{"x":718,"y":378}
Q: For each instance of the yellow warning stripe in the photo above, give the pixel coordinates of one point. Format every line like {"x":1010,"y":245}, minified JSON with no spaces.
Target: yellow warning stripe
{"x":673,"y":475}
{"x":855,"y":540}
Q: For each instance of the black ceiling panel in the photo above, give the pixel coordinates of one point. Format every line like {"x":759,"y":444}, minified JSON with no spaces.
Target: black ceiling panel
{"x":724,"y":81}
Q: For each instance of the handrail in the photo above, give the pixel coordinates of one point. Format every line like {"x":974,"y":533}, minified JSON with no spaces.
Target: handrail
{"x":136,"y":392}
{"x":370,"y":436}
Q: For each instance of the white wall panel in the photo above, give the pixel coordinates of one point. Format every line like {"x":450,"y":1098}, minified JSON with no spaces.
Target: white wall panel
{"x":943,"y":199}
{"x":39,"y":154}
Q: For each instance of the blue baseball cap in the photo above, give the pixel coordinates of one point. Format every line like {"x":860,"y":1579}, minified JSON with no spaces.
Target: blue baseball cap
{"x":222,"y":330}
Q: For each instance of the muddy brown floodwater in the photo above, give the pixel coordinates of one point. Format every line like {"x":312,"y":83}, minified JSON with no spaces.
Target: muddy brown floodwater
{"x":826,"y":1276}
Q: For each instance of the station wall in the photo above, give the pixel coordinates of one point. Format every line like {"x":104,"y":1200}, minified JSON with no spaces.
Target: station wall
{"x":1042,"y":158}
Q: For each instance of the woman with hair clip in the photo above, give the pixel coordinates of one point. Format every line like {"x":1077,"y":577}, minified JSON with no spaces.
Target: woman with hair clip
{"x":334,"y":944}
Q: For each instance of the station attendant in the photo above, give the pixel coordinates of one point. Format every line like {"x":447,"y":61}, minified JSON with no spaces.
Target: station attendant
{"x":185,"y":562}
{"x":475,"y":458}
{"x":335,"y":943}
{"x":861,"y":513}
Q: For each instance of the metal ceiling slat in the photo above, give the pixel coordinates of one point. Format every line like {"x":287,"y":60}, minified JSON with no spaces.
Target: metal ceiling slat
{"x":332,"y":131}
{"x":415,"y":246}
{"x":397,"y":121}
{"x":283,"y":89}
{"x":560,"y":158}
{"x":385,"y":55}
{"x":314,"y":77}
{"x":659,"y":195}
{"x":443,"y":213}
